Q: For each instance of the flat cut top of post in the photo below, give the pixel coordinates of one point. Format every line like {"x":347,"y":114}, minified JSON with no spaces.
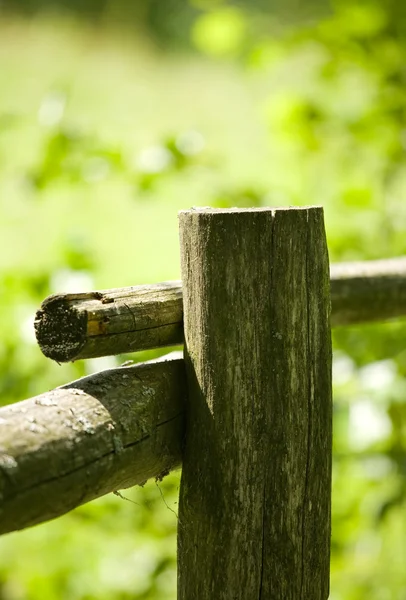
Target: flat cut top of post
{"x":237,"y":209}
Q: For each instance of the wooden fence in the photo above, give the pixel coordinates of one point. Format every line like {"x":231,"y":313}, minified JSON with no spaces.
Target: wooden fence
{"x":246,"y":411}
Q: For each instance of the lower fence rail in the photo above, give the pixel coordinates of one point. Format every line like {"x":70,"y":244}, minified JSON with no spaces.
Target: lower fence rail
{"x":101,"y":433}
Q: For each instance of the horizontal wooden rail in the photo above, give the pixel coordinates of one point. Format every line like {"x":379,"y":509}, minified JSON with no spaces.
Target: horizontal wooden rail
{"x":368,"y":291}
{"x":96,"y":435}
{"x":74,"y":326}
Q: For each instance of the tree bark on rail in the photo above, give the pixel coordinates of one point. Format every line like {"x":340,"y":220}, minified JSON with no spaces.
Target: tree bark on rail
{"x":101,"y":433}
{"x":254,"y":511}
{"x":75,"y":326}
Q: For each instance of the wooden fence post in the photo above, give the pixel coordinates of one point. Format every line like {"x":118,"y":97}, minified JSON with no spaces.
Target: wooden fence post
{"x":254,"y":514}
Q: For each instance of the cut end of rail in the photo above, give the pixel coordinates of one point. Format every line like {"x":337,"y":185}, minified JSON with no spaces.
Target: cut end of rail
{"x":63,"y":328}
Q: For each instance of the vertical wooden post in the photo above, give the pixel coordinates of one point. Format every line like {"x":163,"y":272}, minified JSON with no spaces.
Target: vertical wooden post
{"x":254,"y":514}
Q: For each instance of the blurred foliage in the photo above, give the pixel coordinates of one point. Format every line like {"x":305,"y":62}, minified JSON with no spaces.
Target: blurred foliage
{"x":169,"y":23}
{"x":102,"y":145}
{"x":73,"y":156}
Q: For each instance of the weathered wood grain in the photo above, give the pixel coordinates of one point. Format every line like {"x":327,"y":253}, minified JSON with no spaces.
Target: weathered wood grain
{"x":95,"y":435}
{"x":74,"y":326}
{"x":254,"y":513}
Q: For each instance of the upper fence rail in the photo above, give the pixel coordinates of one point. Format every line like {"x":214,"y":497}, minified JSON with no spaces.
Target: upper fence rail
{"x":76,"y":326}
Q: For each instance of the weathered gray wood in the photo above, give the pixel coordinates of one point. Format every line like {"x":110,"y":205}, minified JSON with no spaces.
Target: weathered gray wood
{"x":254,"y":514}
{"x":368,"y":291}
{"x":74,"y":326}
{"x":98,"y":434}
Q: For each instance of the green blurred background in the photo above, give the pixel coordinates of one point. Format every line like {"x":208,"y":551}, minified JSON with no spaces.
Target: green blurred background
{"x":113,"y":116}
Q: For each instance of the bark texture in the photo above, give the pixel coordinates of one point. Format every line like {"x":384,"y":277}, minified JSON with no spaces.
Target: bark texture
{"x":74,"y":326}
{"x":96,"y":435}
{"x":254,"y":514}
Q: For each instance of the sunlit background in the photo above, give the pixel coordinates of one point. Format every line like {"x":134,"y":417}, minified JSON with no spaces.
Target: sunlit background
{"x":116,"y":114}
